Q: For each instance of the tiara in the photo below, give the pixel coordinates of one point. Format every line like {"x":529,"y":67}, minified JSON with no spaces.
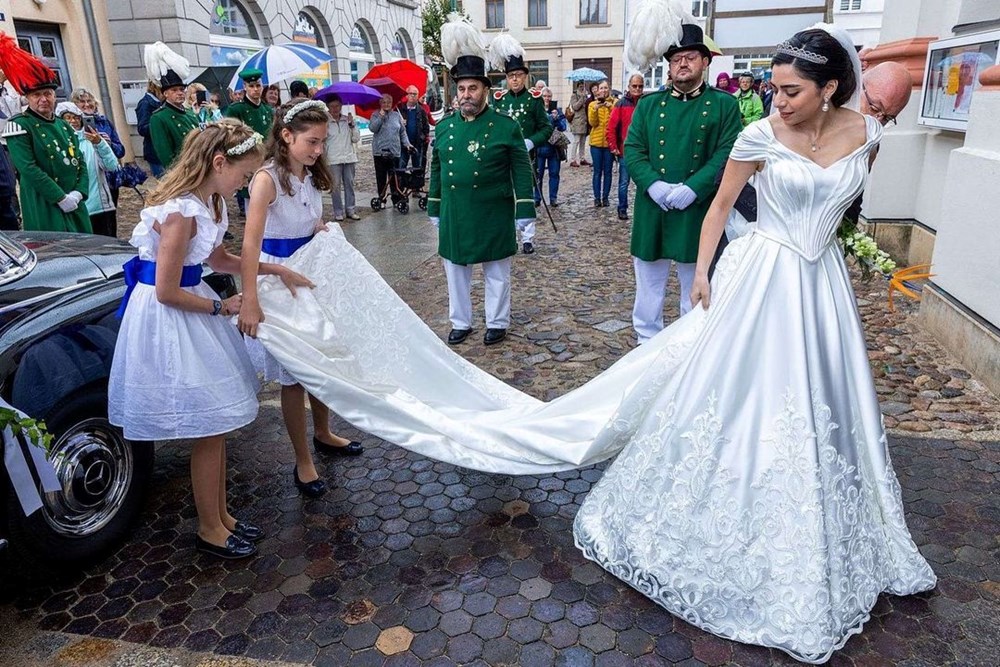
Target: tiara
{"x":302,"y":106}
{"x":239,"y":149}
{"x":799,"y":52}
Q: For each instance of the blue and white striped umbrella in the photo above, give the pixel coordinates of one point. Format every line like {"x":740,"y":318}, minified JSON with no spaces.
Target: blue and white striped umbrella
{"x":280,"y":61}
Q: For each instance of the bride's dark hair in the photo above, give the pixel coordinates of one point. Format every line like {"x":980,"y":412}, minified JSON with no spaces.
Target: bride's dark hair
{"x":838,"y":63}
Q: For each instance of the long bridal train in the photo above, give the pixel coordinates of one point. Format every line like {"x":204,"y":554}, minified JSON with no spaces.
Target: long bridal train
{"x":753,"y":496}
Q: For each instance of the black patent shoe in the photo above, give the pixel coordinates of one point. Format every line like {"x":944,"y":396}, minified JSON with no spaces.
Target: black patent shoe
{"x":353,"y":448}
{"x":248,"y":531}
{"x":528,"y":248}
{"x":458,"y":335}
{"x":236,"y":547}
{"x":494,"y":336}
{"x":313,"y":489}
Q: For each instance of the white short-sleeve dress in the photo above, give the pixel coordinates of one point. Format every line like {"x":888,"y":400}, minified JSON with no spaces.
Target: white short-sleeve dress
{"x":176,"y":373}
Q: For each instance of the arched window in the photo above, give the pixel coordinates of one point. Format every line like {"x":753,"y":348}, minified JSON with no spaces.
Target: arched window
{"x":401,"y":45}
{"x":231,"y":19}
{"x":307,"y":31}
{"x":363,"y":52}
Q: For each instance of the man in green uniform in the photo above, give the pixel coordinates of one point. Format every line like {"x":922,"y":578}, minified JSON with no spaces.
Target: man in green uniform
{"x":523,"y":104}
{"x":253,"y":111}
{"x":171,"y":122}
{"x":45,"y":152}
{"x":480,"y":188}
{"x":678,"y":140}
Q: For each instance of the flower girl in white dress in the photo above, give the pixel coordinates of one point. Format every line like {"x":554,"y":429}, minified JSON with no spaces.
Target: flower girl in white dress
{"x":180,"y":369}
{"x":284,"y":214}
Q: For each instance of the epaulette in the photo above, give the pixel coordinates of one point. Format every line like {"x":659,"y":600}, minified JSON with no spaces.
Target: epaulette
{"x":534,"y":92}
{"x":498,"y":94}
{"x":12,"y":129}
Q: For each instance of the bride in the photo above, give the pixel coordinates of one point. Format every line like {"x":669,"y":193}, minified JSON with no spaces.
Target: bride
{"x":753,"y":494}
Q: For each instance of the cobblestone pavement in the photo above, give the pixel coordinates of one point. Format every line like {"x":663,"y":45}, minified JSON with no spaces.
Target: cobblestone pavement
{"x":412,"y":562}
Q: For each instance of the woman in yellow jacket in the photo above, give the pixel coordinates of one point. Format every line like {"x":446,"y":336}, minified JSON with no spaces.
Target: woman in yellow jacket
{"x":598,"y":115}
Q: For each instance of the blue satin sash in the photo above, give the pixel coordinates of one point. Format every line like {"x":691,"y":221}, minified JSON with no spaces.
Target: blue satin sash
{"x":144,"y":271}
{"x":284,"y":247}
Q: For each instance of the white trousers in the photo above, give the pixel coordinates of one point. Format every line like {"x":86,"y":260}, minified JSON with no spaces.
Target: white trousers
{"x":650,"y":292}
{"x":497,"y":277}
{"x":527,"y":231}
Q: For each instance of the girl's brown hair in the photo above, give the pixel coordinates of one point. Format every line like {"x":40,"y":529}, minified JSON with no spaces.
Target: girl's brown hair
{"x":193,"y":166}
{"x":277,"y":149}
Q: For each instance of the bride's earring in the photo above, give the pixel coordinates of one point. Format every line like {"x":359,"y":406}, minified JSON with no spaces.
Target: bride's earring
{"x":826,"y":104}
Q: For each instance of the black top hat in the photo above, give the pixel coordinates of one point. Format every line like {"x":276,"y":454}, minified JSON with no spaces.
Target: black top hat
{"x":171,"y":80}
{"x":692,"y":38}
{"x":515,"y":64}
{"x":470,"y":67}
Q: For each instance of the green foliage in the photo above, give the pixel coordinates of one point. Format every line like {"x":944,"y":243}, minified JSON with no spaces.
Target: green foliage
{"x":34,"y":430}
{"x":434,"y":14}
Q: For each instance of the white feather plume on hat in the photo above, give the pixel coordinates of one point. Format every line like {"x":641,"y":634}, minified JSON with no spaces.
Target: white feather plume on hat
{"x":159,"y":58}
{"x":460,"y":38}
{"x":656,"y":26}
{"x":503,"y":48}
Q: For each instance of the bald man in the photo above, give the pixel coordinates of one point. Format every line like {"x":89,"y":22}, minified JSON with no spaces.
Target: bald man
{"x":885,"y":90}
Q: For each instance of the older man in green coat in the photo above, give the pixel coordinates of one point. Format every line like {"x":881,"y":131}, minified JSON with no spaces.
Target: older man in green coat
{"x":46,"y":153}
{"x":481,"y":187}
{"x":678,"y":140}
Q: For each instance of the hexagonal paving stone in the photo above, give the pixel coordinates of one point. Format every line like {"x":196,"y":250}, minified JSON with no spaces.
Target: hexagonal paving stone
{"x":535,"y":589}
{"x":394,"y":640}
{"x":455,"y":623}
{"x":597,"y":637}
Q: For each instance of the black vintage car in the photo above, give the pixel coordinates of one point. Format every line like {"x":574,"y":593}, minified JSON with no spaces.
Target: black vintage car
{"x":58,"y":298}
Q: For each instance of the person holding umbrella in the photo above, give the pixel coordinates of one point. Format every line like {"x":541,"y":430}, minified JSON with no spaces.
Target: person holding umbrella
{"x":342,"y":137}
{"x":523,"y":105}
{"x":253,"y":111}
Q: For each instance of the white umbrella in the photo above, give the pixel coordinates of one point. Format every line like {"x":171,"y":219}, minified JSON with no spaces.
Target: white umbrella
{"x":280,"y":61}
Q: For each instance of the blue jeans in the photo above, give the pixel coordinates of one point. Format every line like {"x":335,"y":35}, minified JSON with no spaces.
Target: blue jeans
{"x":416,"y":157}
{"x":602,"y":172}
{"x":553,"y":163}
{"x":622,"y":186}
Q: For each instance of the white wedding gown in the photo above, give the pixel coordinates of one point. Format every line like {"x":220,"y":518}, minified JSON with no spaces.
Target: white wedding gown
{"x":753,"y":495}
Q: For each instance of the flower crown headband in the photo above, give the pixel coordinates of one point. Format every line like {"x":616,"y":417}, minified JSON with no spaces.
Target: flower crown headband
{"x":302,"y":106}
{"x":798,"y":52}
{"x":250,"y":142}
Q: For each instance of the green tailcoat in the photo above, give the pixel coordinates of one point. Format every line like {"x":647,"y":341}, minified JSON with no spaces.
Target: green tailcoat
{"x":481,"y":181}
{"x":168,"y":126}
{"x":46,"y":155}
{"x":677,"y":138}
{"x":528,"y":109}
{"x":258,"y":116}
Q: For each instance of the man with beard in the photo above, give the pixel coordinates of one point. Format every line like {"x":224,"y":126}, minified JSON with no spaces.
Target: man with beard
{"x":480,"y":188}
{"x":678,"y":140}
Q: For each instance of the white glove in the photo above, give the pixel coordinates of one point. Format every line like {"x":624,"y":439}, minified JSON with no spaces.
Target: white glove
{"x":68,"y":203}
{"x":435,"y":221}
{"x":77,"y":197}
{"x":529,"y":144}
{"x":681,"y":197}
{"x":659,"y":191}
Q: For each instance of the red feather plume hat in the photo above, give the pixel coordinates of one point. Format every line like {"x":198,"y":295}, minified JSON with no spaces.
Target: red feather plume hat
{"x":24,"y":71}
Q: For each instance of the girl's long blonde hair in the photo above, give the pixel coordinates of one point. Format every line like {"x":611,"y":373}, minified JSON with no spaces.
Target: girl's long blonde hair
{"x":193,"y":166}
{"x":277,"y":149}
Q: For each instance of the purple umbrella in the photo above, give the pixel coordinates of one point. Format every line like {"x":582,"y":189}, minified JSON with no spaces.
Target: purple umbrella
{"x":349,"y":92}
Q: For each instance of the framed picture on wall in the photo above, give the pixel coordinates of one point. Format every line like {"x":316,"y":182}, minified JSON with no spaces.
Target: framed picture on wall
{"x":951,"y":77}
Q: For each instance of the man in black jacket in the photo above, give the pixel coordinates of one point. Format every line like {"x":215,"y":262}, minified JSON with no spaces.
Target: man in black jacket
{"x":149,"y":103}
{"x":418,"y":128}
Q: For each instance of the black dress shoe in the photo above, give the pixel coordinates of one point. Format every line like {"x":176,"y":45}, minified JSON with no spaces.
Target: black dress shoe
{"x":494,"y":336}
{"x":236,"y":547}
{"x":605,"y":203}
{"x":554,"y":204}
{"x":597,"y":203}
{"x":248,"y":531}
{"x":528,"y":247}
{"x":353,"y":448}
{"x":313,"y":489}
{"x":622,"y":215}
{"x":458,"y":335}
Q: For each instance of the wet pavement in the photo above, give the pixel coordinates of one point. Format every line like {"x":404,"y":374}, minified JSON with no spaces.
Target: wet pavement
{"x":407,"y":561}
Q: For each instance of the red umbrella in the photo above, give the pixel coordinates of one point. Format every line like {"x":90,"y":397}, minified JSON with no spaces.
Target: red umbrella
{"x":404,"y":72}
{"x":384,"y":86}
